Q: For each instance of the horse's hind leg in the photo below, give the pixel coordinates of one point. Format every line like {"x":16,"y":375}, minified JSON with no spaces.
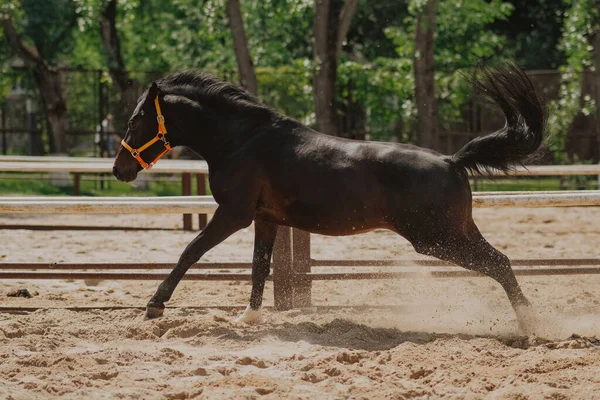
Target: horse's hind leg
{"x":471,"y":251}
{"x":264,"y":240}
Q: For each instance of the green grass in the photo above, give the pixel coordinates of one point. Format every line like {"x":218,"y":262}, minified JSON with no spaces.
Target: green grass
{"x":110,"y":187}
{"x":534,"y":184}
{"x":30,"y":186}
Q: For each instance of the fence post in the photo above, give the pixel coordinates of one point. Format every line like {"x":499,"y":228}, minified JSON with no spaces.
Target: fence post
{"x":598,"y":179}
{"x":76,"y":183}
{"x":302,"y":290}
{"x":283,"y":270}
{"x":3,"y":122}
{"x":30,"y":125}
{"x":186,"y":190}
{"x":201,"y":190}
{"x":101,"y":138}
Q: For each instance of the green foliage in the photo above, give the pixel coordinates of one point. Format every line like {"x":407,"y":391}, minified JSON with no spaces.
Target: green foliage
{"x":366,"y":38}
{"x":288,"y":89}
{"x":194,"y":34}
{"x":190,"y":35}
{"x":8,"y":8}
{"x":11,"y":8}
{"x":385,"y":88}
{"x":532,"y":33}
{"x":279,"y":32}
{"x":50,"y":26}
{"x":578,"y":28}
{"x":375,"y":69}
{"x":164,"y":35}
{"x":462,"y":40}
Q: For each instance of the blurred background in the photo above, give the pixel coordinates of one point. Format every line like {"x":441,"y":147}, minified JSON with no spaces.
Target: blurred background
{"x":72,"y":70}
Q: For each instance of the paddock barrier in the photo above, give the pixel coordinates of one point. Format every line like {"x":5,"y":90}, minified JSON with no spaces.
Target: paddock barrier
{"x":293,"y":268}
{"x":77,"y":166}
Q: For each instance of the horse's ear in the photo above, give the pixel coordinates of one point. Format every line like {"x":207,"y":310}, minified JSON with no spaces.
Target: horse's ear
{"x":151,"y":95}
{"x":153,"y":91}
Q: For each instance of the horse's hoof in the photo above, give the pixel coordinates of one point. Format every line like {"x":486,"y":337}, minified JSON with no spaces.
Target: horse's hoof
{"x":250,"y":316}
{"x":526,"y":320}
{"x":153,"y":312}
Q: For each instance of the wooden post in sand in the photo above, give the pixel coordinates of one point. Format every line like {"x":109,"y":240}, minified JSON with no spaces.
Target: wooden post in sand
{"x":301,"y":264}
{"x":201,"y":191}
{"x":291,"y":259}
{"x":186,"y":190}
{"x":283,"y":269}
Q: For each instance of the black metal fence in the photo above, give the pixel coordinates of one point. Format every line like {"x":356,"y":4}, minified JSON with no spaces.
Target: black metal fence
{"x":90,"y":98}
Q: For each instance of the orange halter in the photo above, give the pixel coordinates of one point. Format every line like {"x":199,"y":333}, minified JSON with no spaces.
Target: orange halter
{"x":160,"y":136}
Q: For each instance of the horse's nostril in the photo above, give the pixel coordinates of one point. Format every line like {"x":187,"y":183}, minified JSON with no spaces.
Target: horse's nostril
{"x":115,"y":171}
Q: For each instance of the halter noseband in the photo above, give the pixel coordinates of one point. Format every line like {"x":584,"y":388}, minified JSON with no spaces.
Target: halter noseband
{"x":160,"y":136}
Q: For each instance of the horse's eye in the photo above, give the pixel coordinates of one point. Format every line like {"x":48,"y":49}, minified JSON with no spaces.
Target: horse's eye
{"x":142,"y":113}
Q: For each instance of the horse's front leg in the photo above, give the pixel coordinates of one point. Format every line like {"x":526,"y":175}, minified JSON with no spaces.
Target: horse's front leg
{"x":225,"y":221}
{"x":264,"y":239}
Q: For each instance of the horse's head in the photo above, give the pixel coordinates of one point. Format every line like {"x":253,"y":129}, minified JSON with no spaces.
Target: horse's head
{"x":145,"y":140}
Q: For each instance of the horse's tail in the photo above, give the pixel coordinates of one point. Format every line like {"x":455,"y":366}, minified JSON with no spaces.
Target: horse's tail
{"x":511,"y":89}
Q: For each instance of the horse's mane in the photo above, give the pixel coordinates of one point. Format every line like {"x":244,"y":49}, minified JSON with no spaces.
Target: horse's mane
{"x":207,"y":90}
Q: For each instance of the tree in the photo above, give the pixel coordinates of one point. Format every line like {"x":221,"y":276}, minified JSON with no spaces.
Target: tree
{"x":130,"y":89}
{"x":240,"y":44}
{"x":575,"y":43}
{"x":330,"y":25}
{"x":50,"y":39}
{"x":596,"y":44}
{"x":533,"y":31}
{"x":462,"y":40}
{"x":424,"y":69}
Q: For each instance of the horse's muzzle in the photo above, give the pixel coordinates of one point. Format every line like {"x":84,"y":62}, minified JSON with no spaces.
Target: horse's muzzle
{"x":127,"y":175}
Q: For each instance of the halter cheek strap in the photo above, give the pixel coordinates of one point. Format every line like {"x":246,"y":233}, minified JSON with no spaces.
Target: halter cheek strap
{"x":160,"y":136}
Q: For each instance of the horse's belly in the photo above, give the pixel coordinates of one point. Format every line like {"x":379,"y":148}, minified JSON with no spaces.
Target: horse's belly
{"x":325,"y":219}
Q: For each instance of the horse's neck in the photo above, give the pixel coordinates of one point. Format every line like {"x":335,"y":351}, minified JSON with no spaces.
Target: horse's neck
{"x":220,"y":144}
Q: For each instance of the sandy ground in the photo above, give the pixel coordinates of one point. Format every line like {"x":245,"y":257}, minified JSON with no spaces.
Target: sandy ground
{"x":451,"y":338}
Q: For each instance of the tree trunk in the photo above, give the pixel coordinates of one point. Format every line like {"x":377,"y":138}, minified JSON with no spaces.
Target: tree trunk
{"x":424,"y":77}
{"x":353,"y":125}
{"x":326,"y":68}
{"x":240,"y":45}
{"x":596,"y":44}
{"x":346,"y":15}
{"x":49,"y":83}
{"x":330,"y":25}
{"x":129,"y":89}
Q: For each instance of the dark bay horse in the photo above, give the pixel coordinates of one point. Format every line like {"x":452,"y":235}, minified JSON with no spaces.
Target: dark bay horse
{"x":270,"y":169}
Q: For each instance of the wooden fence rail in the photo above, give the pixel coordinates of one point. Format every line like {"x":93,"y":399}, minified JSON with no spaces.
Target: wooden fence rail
{"x":91,"y":165}
{"x":206,"y":204}
{"x":188,"y":168}
{"x":293,"y":268}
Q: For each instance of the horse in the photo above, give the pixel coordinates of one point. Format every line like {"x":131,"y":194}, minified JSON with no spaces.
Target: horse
{"x":272,"y":170}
